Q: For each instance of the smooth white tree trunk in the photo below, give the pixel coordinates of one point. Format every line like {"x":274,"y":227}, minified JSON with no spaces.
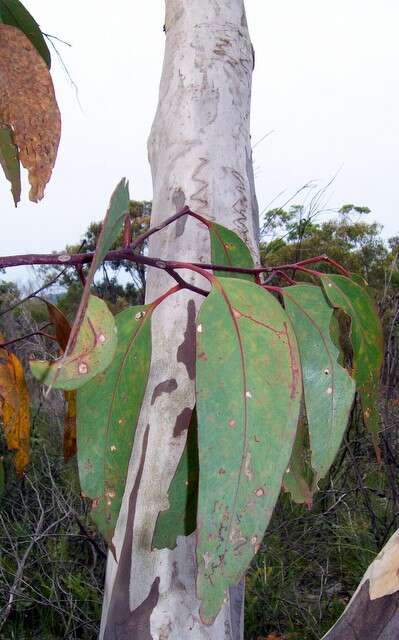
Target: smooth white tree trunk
{"x":200,"y":155}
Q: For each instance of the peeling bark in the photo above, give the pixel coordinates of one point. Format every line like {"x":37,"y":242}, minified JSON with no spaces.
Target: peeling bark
{"x":200,"y":156}
{"x":373,"y":612}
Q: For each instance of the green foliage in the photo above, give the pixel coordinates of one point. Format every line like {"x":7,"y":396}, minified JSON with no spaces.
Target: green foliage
{"x":274,"y":390}
{"x":107,"y":409}
{"x":248,"y":390}
{"x":14,"y":13}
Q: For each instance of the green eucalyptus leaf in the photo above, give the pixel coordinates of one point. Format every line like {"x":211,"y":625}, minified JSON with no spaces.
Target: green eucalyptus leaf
{"x":298,"y":478}
{"x":328,"y":388}
{"x":181,"y":517}
{"x":13,"y":12}
{"x":366,"y":337}
{"x":91,"y":354}
{"x":112,"y":225}
{"x":228,"y":249}
{"x":9,"y":160}
{"x":108,"y":408}
{"x":248,"y":399}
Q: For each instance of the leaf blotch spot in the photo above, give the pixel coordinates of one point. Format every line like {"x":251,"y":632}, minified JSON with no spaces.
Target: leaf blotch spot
{"x":83,"y":368}
{"x":329,"y":391}
{"x":232,"y":424}
{"x":260,"y":492}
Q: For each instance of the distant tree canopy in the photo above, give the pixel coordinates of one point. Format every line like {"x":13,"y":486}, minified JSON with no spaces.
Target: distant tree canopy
{"x":293,"y":234}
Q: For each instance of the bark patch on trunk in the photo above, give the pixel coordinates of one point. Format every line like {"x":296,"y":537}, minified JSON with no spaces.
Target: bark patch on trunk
{"x":182,"y":422}
{"x":186,"y":351}
{"x":168,"y":386}
{"x":136,"y":624}
{"x":367,"y":619}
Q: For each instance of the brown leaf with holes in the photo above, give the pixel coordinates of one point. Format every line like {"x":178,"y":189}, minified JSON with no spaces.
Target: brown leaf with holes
{"x":17,"y":422}
{"x":29,"y":107}
{"x":70,"y":425}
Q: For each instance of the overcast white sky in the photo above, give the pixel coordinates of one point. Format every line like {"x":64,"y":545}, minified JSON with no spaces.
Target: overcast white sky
{"x":325,"y":81}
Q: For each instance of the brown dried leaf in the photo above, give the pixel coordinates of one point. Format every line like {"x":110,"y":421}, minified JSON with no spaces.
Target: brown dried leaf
{"x":61,"y":325}
{"x":28,"y":105}
{"x":17,"y":422}
{"x":70,"y":425}
{"x":62,"y":331}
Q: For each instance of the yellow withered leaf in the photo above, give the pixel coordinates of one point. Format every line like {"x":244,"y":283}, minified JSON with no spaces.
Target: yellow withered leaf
{"x":29,"y":107}
{"x":70,"y":425}
{"x":8,"y":391}
{"x":17,"y":422}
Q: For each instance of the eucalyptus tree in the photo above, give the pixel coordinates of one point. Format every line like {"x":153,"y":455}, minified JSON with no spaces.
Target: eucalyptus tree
{"x":230,"y":381}
{"x":200,"y":156}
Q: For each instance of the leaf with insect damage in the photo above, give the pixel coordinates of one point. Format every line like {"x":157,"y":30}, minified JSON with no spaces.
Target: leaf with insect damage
{"x":228,"y":249}
{"x":328,"y":388}
{"x":366,"y":338}
{"x":17,"y":421}
{"x":29,"y":107}
{"x":14,"y":13}
{"x":91,"y":354}
{"x":108,"y":410}
{"x":298,"y":478}
{"x":248,"y":399}
{"x":180,"y":519}
{"x":9,"y":160}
